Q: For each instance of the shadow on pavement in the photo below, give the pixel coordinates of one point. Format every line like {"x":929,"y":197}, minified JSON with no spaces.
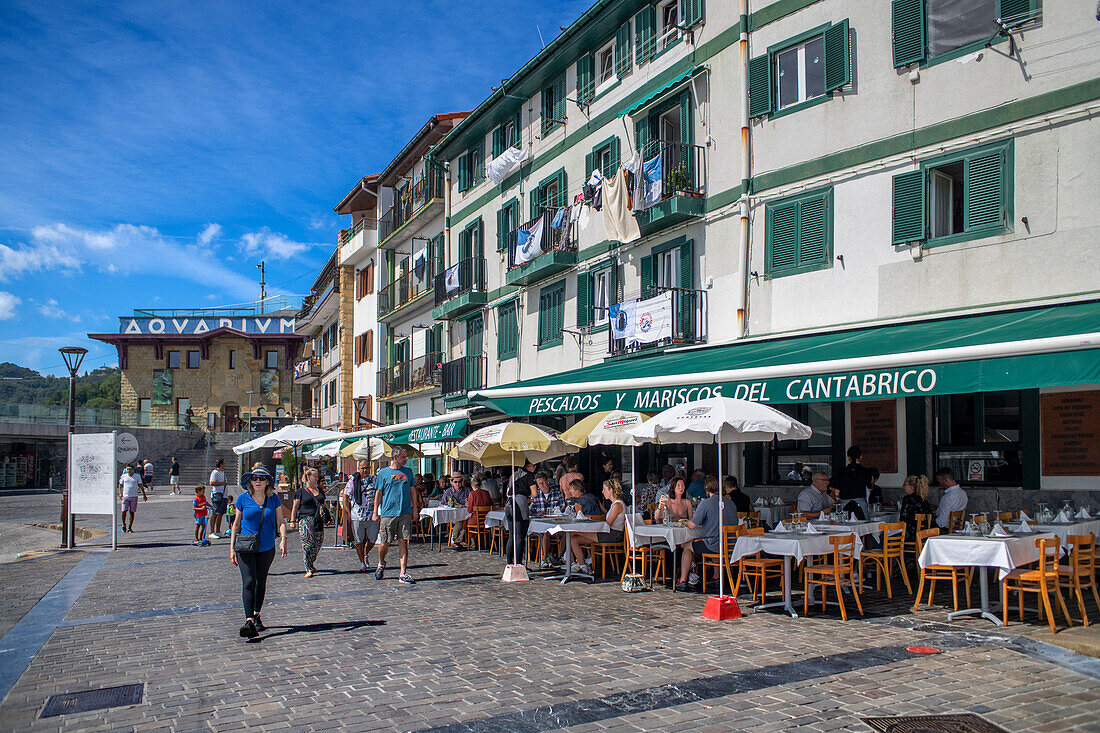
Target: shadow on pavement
{"x":313,"y":628}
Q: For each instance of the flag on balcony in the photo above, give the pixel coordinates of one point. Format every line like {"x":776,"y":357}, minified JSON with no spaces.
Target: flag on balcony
{"x":651,"y":181}
{"x":450,"y":279}
{"x":499,"y":167}
{"x":529,"y":242}
{"x":642,"y":321}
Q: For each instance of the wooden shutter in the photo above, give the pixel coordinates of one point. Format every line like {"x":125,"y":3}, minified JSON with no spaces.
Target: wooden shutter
{"x":623,"y":48}
{"x":838,"y":65}
{"x":370,"y":278}
{"x":1016,"y":12}
{"x":781,"y":238}
{"x":536,"y":201}
{"x":907,"y":18}
{"x":502,"y":216}
{"x":644,"y":140}
{"x":760,"y":86}
{"x":368,"y":339}
{"x":559,"y":199}
{"x":498,"y":141}
{"x":586,"y":78}
{"x":813,"y":240}
{"x":479,"y":245}
{"x":516,"y":130}
{"x":589,"y":165}
{"x":477,"y":164}
{"x":648,"y":276}
{"x":687,"y":282}
{"x":357,"y":349}
{"x":983,"y":191}
{"x":584,"y":299}
{"x":464,"y":245}
{"x":464,"y":171}
{"x":909,"y":207}
{"x":691,"y":11}
{"x":645,"y":32}
{"x":559,"y":100}
{"x":686,"y":126}
{"x":613,"y":165}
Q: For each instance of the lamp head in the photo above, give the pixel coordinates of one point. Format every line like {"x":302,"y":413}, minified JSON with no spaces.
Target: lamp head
{"x":73,"y":356}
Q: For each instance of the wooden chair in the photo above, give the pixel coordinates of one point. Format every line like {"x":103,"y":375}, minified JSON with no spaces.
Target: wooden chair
{"x":604,"y":551}
{"x":1041,"y":580}
{"x":979,"y":518}
{"x":932,"y":573}
{"x":955,"y":521}
{"x":498,"y":538}
{"x":893,"y":550}
{"x":478,"y":534}
{"x":758,"y":568}
{"x":1081,"y":572}
{"x":1007,"y":516}
{"x":839,"y":573}
{"x":646,"y":555}
{"x":750,"y":519}
{"x":714,"y":560}
{"x":922,"y":523}
{"x":535,"y":547}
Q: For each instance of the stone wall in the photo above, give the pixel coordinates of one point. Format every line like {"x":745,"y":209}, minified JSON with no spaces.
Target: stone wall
{"x":346,"y":319}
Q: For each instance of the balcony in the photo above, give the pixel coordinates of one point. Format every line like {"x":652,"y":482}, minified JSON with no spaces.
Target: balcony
{"x":415,"y":283}
{"x":415,"y":375}
{"x":462,"y":375}
{"x":683,"y":188}
{"x":347,"y":234}
{"x":557,"y":251}
{"x":689,"y":324}
{"x":307,"y":371}
{"x":460,"y":289}
{"x":410,"y":201}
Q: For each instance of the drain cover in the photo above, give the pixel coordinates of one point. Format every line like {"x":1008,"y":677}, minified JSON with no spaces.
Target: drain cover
{"x":957,"y":723}
{"x":82,"y":702}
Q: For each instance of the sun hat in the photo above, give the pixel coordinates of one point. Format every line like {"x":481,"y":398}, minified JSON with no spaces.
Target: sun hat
{"x":258,"y":471}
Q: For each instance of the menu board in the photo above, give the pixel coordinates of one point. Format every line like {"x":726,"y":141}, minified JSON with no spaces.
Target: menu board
{"x":875,"y":431}
{"x":92,"y":479}
{"x":1070,"y":433}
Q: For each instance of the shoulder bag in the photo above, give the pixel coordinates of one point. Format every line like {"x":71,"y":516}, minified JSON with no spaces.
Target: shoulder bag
{"x":251,"y":542}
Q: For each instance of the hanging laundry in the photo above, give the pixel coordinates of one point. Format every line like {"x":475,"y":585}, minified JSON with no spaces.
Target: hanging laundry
{"x":582,"y":217}
{"x":559,"y":219}
{"x":652,"y":182}
{"x":595,"y":178}
{"x":499,"y":167}
{"x":418,"y":268}
{"x":637,"y":190}
{"x":618,"y":220}
{"x":529,"y":242}
{"x":450,"y":279}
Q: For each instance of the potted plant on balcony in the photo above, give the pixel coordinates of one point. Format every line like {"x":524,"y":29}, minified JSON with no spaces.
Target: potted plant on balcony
{"x":679,"y":181}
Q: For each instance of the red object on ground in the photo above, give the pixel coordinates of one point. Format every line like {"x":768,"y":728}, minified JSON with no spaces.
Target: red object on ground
{"x":721,"y":608}
{"x":923,"y":649}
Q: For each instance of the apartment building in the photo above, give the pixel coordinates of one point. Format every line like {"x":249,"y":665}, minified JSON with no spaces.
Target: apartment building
{"x":326,"y":367}
{"x":873,"y":217}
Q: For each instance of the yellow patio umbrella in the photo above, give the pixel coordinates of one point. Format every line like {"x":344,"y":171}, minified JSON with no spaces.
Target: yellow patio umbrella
{"x":607,"y":427}
{"x":375,"y":449}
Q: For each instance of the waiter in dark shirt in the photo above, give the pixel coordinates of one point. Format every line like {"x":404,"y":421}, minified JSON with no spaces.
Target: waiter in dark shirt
{"x":854,"y":481}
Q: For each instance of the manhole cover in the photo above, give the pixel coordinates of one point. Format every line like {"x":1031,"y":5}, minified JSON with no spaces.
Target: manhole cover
{"x":82,"y":702}
{"x":956,"y":723}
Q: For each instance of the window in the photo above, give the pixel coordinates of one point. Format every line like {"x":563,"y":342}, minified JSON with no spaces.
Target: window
{"x":551,"y":315}
{"x":669,"y":15}
{"x":549,"y":194}
{"x":192,"y":360}
{"x":401,"y":413}
{"x":271,"y":359}
{"x":364,"y":281}
{"x":623,"y":50}
{"x":183,"y":404}
{"x":668,"y":269}
{"x":603,"y":158}
{"x":471,"y":167}
{"x":507,"y":331}
{"x":597,"y":291}
{"x":798,"y":234}
{"x":605,"y":65}
{"x":645,"y":33}
{"x":232,"y":359}
{"x":954,"y":198}
{"x":553,"y":105}
{"x":506,"y":135}
{"x":982,"y":428}
{"x":815,"y":454}
{"x":800,"y":70}
{"x":671,"y":265}
{"x":945,"y":29}
{"x":507,"y":222}
{"x":470,"y":246}
{"x":173,"y":360}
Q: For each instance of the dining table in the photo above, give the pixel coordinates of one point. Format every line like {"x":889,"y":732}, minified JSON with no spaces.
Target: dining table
{"x":772,"y":514}
{"x":441,"y":515}
{"x":674,"y":535}
{"x":557,"y":523}
{"x":1061,"y":530}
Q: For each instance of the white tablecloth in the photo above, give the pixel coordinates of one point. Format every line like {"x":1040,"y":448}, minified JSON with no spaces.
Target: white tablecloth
{"x":858,"y":527}
{"x":444,"y":514}
{"x":495,"y":518}
{"x":796,"y":545}
{"x":1006,"y":554}
{"x":674,"y":536}
{"x":773,"y":515}
{"x":566,"y":524}
{"x":1061,"y":531}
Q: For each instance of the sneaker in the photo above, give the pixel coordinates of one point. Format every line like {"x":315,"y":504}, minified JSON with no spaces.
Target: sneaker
{"x":578,"y":568}
{"x":214,"y":536}
{"x":196,"y":543}
{"x":681,"y":585}
{"x":547,"y":564}
{"x":309,"y":573}
{"x":693,"y":579}
{"x":248,"y":631}
{"x":205,"y":543}
{"x":362,"y":568}
{"x":260,"y":625}
{"x":406,"y":579}
{"x":380,"y":573}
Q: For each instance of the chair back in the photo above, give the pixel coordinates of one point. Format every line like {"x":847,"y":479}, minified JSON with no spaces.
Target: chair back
{"x":1006,"y":516}
{"x":729,"y":538}
{"x":752,"y":519}
{"x":955,"y":521}
{"x":979,"y":518}
{"x":479,"y":515}
{"x":923,"y":535}
{"x":1083,"y":559}
{"x":893,"y":538}
{"x":922,"y":521}
{"x":752,"y":532}
{"x":1049,"y":552}
{"x":844,"y":550}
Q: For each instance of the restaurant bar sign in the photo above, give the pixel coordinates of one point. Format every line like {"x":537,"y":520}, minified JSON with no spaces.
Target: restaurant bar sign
{"x":199,"y":326}
{"x":436,"y":433}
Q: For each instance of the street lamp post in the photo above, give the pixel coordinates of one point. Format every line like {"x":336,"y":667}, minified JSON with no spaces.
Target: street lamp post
{"x":73,"y":356}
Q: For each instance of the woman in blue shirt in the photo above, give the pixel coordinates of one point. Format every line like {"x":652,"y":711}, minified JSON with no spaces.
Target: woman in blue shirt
{"x":259,"y":512}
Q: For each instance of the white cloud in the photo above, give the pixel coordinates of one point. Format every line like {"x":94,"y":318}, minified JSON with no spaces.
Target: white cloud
{"x":209,"y":234}
{"x":51,"y":309}
{"x":7,"y":305}
{"x":271,"y":244}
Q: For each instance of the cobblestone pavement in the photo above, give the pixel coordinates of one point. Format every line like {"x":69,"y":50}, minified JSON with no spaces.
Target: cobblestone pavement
{"x":462,"y":651}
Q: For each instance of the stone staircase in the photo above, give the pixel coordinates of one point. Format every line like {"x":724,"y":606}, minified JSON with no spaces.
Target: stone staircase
{"x":196,"y":465}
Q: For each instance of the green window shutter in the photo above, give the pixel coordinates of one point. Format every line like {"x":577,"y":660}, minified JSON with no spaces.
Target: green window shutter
{"x":479,"y":163}
{"x":463,"y":182}
{"x":507,"y":335}
{"x":536,"y":201}
{"x":781,"y":238}
{"x":1016,"y":12}
{"x":691,"y":11}
{"x":475,"y":327}
{"x":616,"y":292}
{"x":614,"y":163}
{"x":645,"y":31}
{"x":563,"y":192}
{"x":559,"y":102}
{"x":498,"y":141}
{"x":983,"y":191}
{"x":813,"y":236}
{"x":623,"y":51}
{"x":645,"y":137}
{"x":760,"y":86}
{"x":838,"y":65}
{"x":686,"y":126}
{"x":589,"y":164}
{"x":501,"y":217}
{"x":909,"y":207}
{"x":586,"y":78}
{"x":464,"y":245}
{"x":479,"y":247}
{"x":547,"y":112}
{"x":687,"y":282}
{"x":516,"y":130}
{"x":907,"y":17}
{"x":648,"y":277}
{"x":584,"y":299}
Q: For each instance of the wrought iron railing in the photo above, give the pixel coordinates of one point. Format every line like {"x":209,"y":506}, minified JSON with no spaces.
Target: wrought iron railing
{"x":682,"y":166}
{"x":562,"y":237}
{"x":308,"y":368}
{"x":410,"y":286}
{"x":689,"y":324}
{"x":462,"y":375}
{"x":465,"y":276}
{"x":411,"y":200}
{"x":346,"y":234}
{"x":417,"y":374}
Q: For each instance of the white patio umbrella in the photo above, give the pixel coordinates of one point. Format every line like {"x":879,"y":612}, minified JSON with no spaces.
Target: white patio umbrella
{"x":324,"y":450}
{"x":721,"y":420}
{"x":501,"y":445}
{"x":291,"y":436}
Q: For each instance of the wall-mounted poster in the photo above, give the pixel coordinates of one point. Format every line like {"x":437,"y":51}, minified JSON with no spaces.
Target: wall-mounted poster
{"x":1070,"y":433}
{"x":269,"y":386}
{"x":162,"y":386}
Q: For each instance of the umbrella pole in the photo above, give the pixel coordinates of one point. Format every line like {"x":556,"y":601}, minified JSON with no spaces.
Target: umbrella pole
{"x":515,"y":508}
{"x":633,"y":508}
{"x":723,"y":558}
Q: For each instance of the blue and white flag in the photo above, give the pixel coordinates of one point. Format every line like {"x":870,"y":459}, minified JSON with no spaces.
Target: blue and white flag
{"x":450,"y":279}
{"x":529,"y":242}
{"x":621,"y":316}
{"x":653,"y":318}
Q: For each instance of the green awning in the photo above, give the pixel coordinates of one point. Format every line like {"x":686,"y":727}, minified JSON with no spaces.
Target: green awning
{"x":658,"y":95}
{"x":436,"y":429}
{"x":1016,"y":349}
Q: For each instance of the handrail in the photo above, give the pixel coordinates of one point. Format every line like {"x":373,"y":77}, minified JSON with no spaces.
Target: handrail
{"x":563,"y":238}
{"x":465,"y":276}
{"x":409,"y":286}
{"x":422,"y":372}
{"x":463,"y":374}
{"x":689,"y":322}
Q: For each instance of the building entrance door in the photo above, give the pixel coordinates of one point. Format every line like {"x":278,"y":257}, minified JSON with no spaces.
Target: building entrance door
{"x":232,"y":418}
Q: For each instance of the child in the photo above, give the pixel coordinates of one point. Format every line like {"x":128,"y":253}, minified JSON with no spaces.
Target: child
{"x":230,"y":510}
{"x":201,"y":505}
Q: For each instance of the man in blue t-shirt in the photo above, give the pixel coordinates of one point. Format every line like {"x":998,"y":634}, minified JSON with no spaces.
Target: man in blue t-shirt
{"x":395,"y":505}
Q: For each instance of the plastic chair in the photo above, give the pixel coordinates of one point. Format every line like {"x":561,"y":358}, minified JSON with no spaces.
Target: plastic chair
{"x":1041,"y":580}
{"x":839,"y":573}
{"x":932,"y":573}
{"x":758,"y":568}
{"x":714,"y":559}
{"x":1081,"y":572}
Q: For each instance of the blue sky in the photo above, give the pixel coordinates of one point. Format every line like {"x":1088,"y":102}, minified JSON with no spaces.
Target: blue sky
{"x":154,"y":152}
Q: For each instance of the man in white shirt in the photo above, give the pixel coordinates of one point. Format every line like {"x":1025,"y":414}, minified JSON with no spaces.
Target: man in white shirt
{"x":795,"y":473}
{"x":954,"y":499}
{"x":217,"y":497}
{"x":815,"y":498}
{"x":358,"y":498}
{"x":489,"y":483}
{"x":128,"y":487}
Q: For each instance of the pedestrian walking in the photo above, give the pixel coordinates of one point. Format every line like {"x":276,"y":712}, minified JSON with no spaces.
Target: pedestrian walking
{"x":217,"y":489}
{"x":359,"y":503}
{"x":310,"y":511}
{"x":252,"y":543}
{"x":174,"y":476}
{"x":128,"y":487}
{"x":395,"y":505}
{"x":147,"y":475}
{"x":201,"y":506}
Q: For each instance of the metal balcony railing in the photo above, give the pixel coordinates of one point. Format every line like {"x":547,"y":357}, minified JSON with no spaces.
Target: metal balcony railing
{"x":411,"y":200}
{"x":689,"y":323}
{"x":346,"y":234}
{"x":306,"y":370}
{"x":417,"y":374}
{"x":462,"y":375}
{"x":466,"y":276}
{"x":408,"y":287}
{"x":683,"y":168}
{"x":563,"y":237}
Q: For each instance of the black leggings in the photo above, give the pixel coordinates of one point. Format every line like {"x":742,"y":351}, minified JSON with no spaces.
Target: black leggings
{"x":518,"y":536}
{"x":254,"y":567}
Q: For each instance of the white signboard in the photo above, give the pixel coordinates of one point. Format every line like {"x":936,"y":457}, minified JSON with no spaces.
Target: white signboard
{"x":92,"y":478}
{"x":975,"y":471}
{"x":127,"y":448}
